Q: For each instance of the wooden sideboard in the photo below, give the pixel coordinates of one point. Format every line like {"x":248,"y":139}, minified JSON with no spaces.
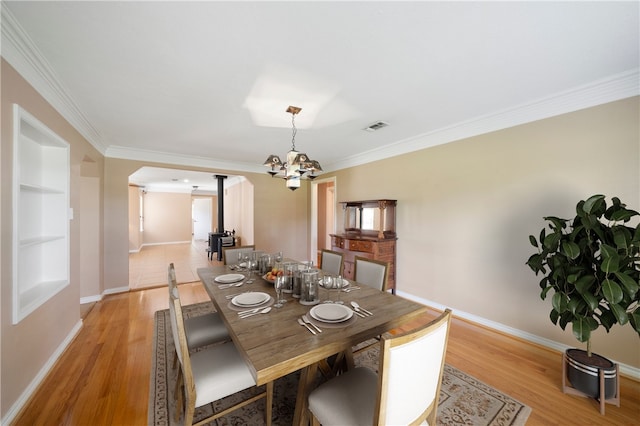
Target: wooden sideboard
{"x":369,"y":231}
{"x":371,"y":247}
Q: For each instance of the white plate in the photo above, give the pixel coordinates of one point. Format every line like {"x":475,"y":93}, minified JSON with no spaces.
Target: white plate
{"x":250,"y":299}
{"x":331,"y":312}
{"x":229,"y":278}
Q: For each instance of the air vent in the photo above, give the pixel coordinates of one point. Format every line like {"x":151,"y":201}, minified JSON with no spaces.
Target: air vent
{"x":376,"y":126}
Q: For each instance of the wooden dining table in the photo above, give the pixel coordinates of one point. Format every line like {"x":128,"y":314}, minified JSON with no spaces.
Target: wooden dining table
{"x":275,"y":344}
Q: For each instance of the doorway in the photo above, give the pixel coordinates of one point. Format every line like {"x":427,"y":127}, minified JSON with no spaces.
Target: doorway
{"x":201,"y":215}
{"x":323,"y":217}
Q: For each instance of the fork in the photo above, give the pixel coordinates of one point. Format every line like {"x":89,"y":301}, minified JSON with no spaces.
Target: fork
{"x":352,"y":288}
{"x":302,"y":323}
{"x":306,"y":320}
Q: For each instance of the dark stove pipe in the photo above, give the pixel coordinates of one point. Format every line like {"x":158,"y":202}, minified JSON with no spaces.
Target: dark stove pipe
{"x":220,"y":179}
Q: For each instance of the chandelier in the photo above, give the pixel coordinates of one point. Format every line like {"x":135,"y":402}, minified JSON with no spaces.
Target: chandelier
{"x":298,"y":165}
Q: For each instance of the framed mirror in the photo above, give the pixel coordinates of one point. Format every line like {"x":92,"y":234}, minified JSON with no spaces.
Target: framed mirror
{"x":371,"y":217}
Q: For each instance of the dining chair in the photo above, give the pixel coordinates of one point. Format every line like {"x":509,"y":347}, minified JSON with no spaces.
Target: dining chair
{"x":405,"y":391}
{"x":230,"y":254}
{"x":371,"y":272}
{"x":331,"y":261}
{"x":200,"y":330}
{"x":211,"y":374}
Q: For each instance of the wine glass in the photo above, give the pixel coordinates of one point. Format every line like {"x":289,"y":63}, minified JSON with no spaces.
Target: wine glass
{"x":279,"y":285}
{"x":338,"y":283}
{"x":327,"y":283}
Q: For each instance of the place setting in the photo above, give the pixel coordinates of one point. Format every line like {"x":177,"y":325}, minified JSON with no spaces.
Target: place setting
{"x":329,"y":315}
{"x":251,"y":303}
{"x":229,"y":280}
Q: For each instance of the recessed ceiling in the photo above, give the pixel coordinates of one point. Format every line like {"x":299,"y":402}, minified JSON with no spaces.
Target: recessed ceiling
{"x":208,"y":83}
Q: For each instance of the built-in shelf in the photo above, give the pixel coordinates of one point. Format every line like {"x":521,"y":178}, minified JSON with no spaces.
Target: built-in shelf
{"x":41,"y":170}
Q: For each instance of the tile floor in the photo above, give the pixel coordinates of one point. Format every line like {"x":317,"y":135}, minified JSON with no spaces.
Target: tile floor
{"x":148,"y":267}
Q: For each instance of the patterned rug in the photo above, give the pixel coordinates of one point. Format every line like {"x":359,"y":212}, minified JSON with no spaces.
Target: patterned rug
{"x":463,"y":399}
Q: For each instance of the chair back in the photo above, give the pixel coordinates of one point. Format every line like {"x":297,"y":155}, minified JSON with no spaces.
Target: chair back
{"x":411,"y":367}
{"x":171,"y":277}
{"x":230,"y":254}
{"x":180,"y":341}
{"x":332,"y":262}
{"x":374,"y":273}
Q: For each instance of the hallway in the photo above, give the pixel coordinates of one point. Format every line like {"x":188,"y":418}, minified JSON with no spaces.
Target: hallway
{"x":148,"y":267}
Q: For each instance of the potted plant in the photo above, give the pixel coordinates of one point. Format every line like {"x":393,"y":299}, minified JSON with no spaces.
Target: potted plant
{"x":592,"y":265}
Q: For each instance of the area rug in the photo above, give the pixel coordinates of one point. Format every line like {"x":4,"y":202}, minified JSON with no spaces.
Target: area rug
{"x":464,"y":400}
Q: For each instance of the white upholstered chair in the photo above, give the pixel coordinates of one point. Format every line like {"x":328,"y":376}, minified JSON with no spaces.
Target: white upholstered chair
{"x":406,"y":390}
{"x":331,"y":262}
{"x":211,"y":374}
{"x":201,"y":330}
{"x":371,"y":272}
{"x":230,"y":254}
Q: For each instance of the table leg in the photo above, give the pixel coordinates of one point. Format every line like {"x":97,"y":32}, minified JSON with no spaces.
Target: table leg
{"x":307,"y":378}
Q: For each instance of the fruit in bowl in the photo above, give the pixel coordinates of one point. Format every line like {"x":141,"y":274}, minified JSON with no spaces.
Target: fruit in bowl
{"x":273,"y":273}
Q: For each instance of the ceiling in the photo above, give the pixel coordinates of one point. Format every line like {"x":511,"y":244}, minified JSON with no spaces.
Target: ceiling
{"x":207,"y":83}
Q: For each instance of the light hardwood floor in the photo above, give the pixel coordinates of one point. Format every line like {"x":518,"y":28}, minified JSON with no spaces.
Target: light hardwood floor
{"x":148,"y":267}
{"x":103,"y":377}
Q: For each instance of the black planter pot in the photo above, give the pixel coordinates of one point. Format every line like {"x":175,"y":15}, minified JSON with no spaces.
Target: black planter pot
{"x":583,"y":373}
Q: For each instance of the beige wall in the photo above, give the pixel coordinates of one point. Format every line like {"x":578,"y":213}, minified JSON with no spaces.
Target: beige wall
{"x":466,"y":209}
{"x":28,"y":345}
{"x":167,"y":217}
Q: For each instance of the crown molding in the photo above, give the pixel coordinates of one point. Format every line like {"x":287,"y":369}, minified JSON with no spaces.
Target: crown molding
{"x":126,"y":153}
{"x":21,"y":52}
{"x":610,"y":89}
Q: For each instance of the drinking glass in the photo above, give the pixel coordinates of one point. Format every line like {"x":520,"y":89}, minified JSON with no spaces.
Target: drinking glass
{"x":278,"y":256}
{"x":338,"y":283}
{"x":279,"y":284}
{"x":327,"y":284}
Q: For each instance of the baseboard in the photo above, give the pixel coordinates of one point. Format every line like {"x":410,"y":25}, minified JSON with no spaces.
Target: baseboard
{"x":625,"y":370}
{"x":115,"y":290}
{"x":37,"y":380}
{"x":90,"y":299}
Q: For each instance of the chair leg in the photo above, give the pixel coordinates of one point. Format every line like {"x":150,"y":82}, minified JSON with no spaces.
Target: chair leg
{"x":179,"y":395}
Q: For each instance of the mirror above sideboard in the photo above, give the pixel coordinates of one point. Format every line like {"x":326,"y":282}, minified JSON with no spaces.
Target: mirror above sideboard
{"x":375,"y":218}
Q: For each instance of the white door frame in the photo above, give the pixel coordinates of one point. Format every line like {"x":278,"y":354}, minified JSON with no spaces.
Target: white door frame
{"x":313,"y":240}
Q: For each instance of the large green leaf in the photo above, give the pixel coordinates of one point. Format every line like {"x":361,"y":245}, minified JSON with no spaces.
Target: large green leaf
{"x":551,"y":241}
{"x":559,"y":302}
{"x":610,"y":263}
{"x":571,"y":250}
{"x":620,"y":313}
{"x":635,"y":320}
{"x":612,"y":291}
{"x":621,"y":237}
{"x":581,"y":329}
{"x":535,"y":262}
{"x":591,"y":300}
{"x":593,"y":203}
{"x":557,"y":223}
{"x":623,"y":215}
{"x":630,"y":285}
{"x":583,"y":285}
{"x":575,"y":304}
